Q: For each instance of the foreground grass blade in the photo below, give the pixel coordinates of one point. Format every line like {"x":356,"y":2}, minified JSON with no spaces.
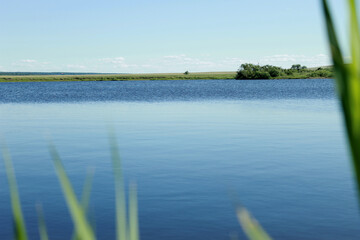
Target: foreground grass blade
{"x":250,"y":226}
{"x":121,"y":227}
{"x":42,"y":225}
{"x":340,"y":71}
{"x":348,"y":83}
{"x":354,"y":84}
{"x":353,"y":92}
{"x":133,"y":214}
{"x":82,"y":226}
{"x":354,"y":38}
{"x":19,"y":223}
{"x":85,"y":198}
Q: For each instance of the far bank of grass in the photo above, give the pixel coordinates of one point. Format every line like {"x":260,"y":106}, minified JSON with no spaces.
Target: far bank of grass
{"x":247,"y":71}
{"x":120,"y":77}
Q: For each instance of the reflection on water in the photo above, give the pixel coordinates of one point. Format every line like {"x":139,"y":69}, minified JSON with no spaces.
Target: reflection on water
{"x":278,"y":144}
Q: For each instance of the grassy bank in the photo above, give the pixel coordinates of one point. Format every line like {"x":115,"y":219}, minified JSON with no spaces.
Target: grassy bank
{"x":303,"y":74}
{"x":119,"y":77}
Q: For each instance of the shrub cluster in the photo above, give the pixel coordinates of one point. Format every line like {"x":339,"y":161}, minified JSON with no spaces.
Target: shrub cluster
{"x":255,"y":71}
{"x":252,"y":71}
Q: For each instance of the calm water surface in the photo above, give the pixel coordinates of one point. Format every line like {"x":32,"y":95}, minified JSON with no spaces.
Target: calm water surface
{"x":279,"y":145}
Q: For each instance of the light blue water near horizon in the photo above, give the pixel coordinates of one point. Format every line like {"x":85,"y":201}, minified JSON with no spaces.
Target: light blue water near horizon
{"x":279,"y":145}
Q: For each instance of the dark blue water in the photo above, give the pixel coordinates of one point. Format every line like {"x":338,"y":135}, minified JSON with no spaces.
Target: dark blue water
{"x":279,"y":145}
{"x":155,"y":91}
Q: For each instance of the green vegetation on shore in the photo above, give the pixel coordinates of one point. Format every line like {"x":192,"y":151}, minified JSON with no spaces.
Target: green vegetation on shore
{"x":246,"y":71}
{"x":120,"y":77}
{"x":252,"y":71}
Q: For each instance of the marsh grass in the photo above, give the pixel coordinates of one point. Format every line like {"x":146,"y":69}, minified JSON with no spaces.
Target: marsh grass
{"x":120,"y":77}
{"x":123,"y":232}
{"x":126,"y":229}
{"x":304,"y":74}
{"x":19,"y":223}
{"x":251,"y":227}
{"x":41,"y":222}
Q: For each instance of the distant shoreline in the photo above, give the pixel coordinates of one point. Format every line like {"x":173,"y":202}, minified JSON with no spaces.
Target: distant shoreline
{"x":131,"y":77}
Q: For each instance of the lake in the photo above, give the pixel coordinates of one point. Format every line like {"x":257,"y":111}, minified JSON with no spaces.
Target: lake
{"x":190,"y":146}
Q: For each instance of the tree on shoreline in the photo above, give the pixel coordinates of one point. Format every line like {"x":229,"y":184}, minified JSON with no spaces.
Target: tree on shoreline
{"x":255,"y":71}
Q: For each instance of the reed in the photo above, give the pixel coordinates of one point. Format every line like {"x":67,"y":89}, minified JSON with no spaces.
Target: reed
{"x":126,"y":229}
{"x":348,"y":82}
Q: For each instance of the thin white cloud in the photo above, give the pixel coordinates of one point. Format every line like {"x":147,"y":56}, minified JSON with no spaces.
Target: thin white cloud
{"x":185,"y":60}
{"x":146,"y":65}
{"x":175,"y":57}
{"x":28,"y":61}
{"x":76,"y":67}
{"x":29,"y":65}
{"x":232,"y":61}
{"x":286,"y":60}
{"x":115,"y":60}
{"x":168,"y":63}
{"x":117,"y":63}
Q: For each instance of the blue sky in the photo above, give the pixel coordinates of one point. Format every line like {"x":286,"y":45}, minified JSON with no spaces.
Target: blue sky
{"x":163,"y":35}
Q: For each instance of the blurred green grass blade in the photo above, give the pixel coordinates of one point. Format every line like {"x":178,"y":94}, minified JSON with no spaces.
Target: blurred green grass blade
{"x":85,"y":197}
{"x":339,"y":67}
{"x":250,"y":226}
{"x":341,"y":73}
{"x":133,"y":214}
{"x":82,"y":226}
{"x":354,"y":81}
{"x":348,"y":83}
{"x":121,"y":227}
{"x":42,"y":225}
{"x":354,"y":36}
{"x":19,"y":223}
